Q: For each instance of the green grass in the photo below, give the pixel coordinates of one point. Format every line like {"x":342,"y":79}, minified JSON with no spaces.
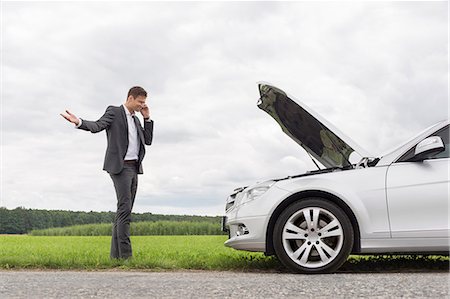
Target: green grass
{"x":174,"y":253}
{"x":149,"y":252}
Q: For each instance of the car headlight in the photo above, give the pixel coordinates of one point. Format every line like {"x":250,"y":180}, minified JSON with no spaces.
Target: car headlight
{"x":256,"y":191}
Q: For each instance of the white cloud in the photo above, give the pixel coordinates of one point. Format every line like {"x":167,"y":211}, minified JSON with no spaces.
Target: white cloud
{"x":377,"y":70}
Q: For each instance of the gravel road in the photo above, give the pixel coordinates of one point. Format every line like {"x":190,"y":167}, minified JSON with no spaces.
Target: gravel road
{"x":209,"y":284}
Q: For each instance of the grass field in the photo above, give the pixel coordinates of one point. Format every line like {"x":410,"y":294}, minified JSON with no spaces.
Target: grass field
{"x":173,"y":253}
{"x":149,"y":252}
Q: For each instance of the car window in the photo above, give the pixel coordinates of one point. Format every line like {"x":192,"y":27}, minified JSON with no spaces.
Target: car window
{"x":444,"y":134}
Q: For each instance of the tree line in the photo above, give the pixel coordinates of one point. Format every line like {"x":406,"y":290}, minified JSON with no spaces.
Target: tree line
{"x":21,"y":220}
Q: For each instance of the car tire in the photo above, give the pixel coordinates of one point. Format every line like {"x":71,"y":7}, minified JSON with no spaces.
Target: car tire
{"x":313,"y":235}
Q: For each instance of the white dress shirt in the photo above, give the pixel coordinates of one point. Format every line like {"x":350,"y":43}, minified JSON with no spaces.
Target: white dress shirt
{"x":133,"y":137}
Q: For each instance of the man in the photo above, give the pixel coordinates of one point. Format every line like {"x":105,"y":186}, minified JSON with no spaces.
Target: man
{"x":123,"y":158}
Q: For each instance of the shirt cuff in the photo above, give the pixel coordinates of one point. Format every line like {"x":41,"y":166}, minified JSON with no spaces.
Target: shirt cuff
{"x":79,"y":123}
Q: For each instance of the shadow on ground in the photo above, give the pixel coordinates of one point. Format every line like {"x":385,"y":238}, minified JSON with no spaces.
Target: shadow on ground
{"x":396,"y":263}
{"x":366,"y":264}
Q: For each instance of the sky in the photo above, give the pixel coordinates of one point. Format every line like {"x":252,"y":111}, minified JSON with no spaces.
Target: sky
{"x":378,"y":71}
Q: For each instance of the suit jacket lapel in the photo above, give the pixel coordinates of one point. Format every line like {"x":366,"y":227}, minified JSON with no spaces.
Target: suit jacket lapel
{"x":124,"y":118}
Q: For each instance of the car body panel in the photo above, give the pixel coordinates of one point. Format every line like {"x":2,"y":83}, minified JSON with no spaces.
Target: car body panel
{"x":418,"y":198}
{"x":406,"y":245}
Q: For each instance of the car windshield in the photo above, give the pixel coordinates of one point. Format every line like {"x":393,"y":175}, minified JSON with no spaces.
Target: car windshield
{"x":408,"y":141}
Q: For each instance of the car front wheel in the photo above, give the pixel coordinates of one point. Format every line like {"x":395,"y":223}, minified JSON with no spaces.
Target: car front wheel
{"x":313,"y":236}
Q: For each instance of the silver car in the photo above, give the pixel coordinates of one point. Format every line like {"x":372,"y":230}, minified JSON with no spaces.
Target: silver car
{"x":353,"y":203}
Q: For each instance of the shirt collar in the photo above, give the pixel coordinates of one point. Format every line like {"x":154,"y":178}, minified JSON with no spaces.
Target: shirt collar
{"x":126,"y":111}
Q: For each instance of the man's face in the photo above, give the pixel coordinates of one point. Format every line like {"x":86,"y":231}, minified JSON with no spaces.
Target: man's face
{"x":136,"y":103}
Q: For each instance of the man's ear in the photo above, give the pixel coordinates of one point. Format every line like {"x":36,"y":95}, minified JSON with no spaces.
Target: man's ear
{"x":130,"y":98}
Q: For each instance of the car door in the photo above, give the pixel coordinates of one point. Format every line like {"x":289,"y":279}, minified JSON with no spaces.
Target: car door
{"x":418,"y":194}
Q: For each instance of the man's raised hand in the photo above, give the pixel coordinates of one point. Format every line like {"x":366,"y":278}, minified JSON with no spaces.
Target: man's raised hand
{"x":70,"y":117}
{"x":145,"y":111}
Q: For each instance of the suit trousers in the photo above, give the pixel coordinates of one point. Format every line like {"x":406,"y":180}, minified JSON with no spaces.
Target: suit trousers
{"x":125,"y":184}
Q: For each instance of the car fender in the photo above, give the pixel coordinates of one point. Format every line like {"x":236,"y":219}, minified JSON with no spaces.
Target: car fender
{"x":362,"y":190}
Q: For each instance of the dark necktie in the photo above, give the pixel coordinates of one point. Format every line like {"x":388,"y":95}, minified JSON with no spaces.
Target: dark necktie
{"x":138,"y":126}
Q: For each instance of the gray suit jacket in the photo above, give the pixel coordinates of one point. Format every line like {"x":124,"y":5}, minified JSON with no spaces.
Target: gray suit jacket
{"x":115,"y":122}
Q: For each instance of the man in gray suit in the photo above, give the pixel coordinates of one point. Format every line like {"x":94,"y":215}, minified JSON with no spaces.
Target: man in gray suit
{"x":123,"y":158}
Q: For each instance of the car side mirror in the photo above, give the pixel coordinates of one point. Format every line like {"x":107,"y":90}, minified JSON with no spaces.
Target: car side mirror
{"x":428,"y":146}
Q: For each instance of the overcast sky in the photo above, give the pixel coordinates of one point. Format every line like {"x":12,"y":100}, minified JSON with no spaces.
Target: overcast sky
{"x":376,"y":70}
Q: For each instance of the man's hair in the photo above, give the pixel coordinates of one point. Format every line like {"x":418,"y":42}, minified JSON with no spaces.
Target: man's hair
{"x":136,"y":91}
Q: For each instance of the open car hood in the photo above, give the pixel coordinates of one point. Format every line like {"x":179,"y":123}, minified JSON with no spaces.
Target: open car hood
{"x":318,"y":137}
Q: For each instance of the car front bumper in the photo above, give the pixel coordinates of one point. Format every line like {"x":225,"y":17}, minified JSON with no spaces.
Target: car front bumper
{"x":246,"y":233}
{"x":246,"y":223}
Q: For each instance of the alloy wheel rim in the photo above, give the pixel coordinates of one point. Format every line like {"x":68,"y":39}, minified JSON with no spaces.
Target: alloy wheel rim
{"x":312,"y":237}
